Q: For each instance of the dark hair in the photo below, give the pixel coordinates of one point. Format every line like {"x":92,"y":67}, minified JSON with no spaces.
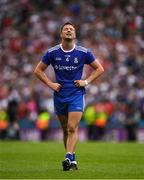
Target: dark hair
{"x":67,"y":23}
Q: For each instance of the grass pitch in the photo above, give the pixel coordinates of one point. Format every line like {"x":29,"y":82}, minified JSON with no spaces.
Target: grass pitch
{"x":96,"y":160}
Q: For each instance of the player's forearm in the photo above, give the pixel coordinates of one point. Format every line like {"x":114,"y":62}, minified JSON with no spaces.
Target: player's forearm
{"x":42,"y":76}
{"x":95,"y":74}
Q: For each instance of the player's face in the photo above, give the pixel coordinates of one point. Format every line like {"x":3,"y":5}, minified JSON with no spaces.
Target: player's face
{"x":68,"y":32}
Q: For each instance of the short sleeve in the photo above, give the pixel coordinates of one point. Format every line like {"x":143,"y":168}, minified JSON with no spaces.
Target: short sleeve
{"x":89,"y":57}
{"x":46,"y":58}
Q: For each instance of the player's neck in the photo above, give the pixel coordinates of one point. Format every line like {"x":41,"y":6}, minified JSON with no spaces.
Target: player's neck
{"x":68,"y":45}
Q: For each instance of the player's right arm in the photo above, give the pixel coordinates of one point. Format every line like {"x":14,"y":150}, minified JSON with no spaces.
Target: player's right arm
{"x":39,"y":72}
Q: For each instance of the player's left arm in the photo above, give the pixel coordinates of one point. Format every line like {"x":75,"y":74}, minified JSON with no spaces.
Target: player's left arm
{"x":98,"y":70}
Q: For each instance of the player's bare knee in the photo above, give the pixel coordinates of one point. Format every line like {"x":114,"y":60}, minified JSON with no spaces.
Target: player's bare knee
{"x":71,"y":129}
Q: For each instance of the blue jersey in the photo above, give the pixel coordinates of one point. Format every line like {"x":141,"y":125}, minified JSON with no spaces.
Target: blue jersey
{"x":68,"y":66}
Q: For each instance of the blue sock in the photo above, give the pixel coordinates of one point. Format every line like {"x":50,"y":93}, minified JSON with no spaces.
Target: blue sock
{"x":73,"y":157}
{"x":69,"y":156}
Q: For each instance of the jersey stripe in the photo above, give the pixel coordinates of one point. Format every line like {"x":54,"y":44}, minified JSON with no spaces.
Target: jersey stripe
{"x":80,"y":48}
{"x":54,"y":48}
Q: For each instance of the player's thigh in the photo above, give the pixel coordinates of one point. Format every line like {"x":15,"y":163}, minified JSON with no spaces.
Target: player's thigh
{"x":74,"y":118}
{"x":75,"y":110}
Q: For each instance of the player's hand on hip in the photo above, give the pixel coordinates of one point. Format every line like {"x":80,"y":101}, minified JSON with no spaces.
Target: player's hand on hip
{"x":80,"y":83}
{"x":56,"y":86}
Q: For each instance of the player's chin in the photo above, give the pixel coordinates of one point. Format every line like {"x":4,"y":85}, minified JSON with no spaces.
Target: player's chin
{"x":68,"y":38}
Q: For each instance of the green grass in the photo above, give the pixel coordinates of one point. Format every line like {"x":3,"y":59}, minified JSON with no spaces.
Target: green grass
{"x":96,"y":160}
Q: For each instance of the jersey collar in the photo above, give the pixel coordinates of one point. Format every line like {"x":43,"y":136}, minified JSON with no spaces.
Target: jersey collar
{"x":66,"y":50}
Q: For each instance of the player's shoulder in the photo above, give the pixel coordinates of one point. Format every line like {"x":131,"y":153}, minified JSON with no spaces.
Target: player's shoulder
{"x":54,"y":48}
{"x":81,"y":49}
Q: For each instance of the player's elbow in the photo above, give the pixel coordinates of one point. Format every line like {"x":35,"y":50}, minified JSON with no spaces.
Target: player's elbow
{"x":36,"y":72}
{"x":101,"y":69}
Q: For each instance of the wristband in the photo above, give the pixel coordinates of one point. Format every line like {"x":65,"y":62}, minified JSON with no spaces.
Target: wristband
{"x":86,"y":82}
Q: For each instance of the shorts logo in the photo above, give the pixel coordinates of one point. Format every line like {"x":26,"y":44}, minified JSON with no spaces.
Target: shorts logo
{"x":78,"y":107}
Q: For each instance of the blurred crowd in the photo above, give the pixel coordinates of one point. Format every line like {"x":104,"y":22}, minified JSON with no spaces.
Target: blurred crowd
{"x":113,"y":30}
